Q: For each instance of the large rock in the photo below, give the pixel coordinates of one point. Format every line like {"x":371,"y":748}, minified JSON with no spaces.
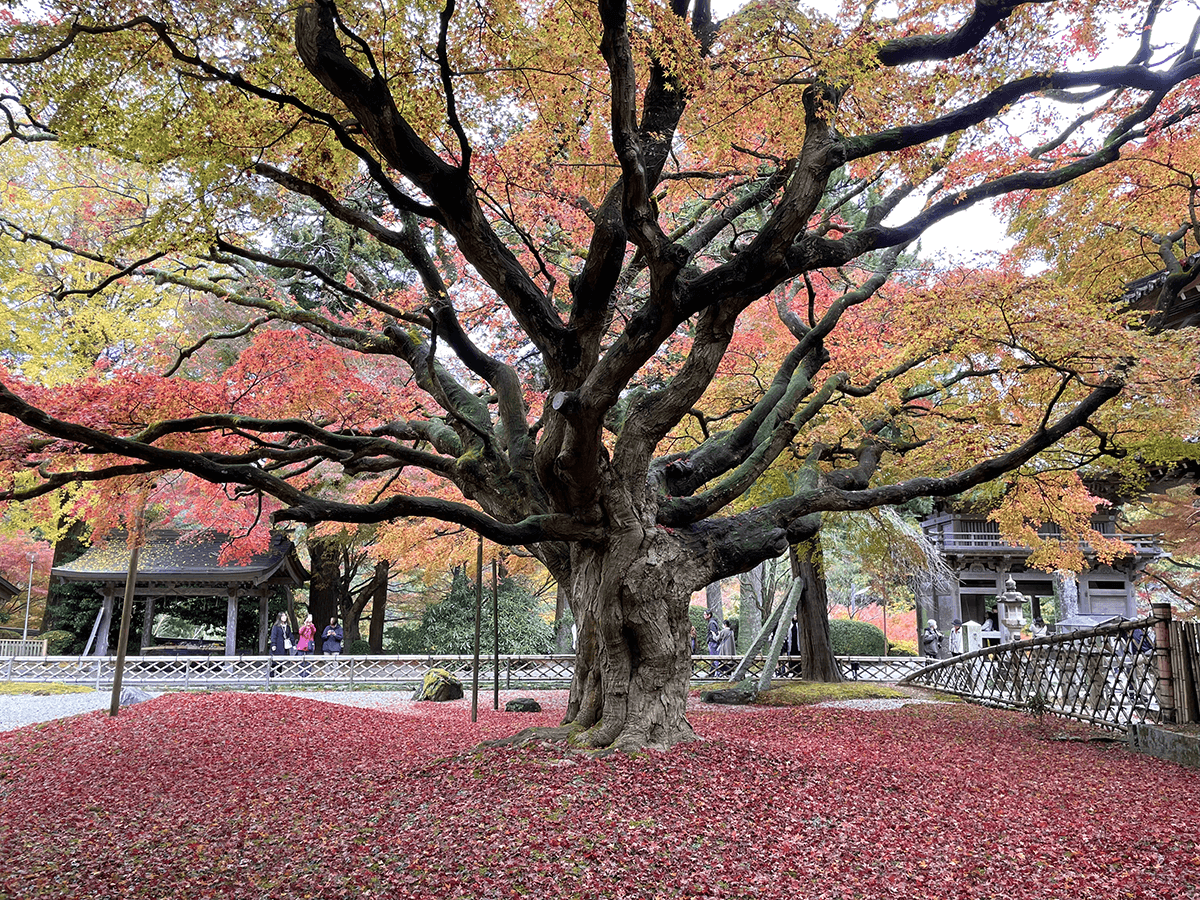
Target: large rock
{"x":734,"y":696}
{"x":439,"y":685}
{"x":132,"y":695}
{"x":522,"y":704}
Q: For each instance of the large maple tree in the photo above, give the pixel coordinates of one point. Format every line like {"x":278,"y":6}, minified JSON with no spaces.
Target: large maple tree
{"x":562,"y":224}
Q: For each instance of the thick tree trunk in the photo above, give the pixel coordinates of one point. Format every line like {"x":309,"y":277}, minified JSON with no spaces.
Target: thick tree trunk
{"x":325,"y":558}
{"x":378,"y":608}
{"x":816,"y":651}
{"x":67,"y":550}
{"x":633,"y":658}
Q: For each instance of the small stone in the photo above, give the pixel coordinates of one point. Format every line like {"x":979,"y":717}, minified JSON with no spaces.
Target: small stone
{"x":523,"y":704}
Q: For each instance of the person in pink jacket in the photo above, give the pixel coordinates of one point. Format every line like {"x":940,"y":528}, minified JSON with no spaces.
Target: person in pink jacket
{"x":308,"y":634}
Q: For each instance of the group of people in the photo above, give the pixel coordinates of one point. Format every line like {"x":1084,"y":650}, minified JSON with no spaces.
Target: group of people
{"x":285,"y":642}
{"x":931,"y":638}
{"x":722,"y":641}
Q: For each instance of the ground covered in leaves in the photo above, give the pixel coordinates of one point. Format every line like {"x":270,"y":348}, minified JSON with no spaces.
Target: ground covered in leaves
{"x":257,"y":795}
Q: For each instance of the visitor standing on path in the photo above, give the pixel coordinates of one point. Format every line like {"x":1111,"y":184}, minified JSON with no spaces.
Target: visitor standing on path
{"x":725,"y":644}
{"x":332,"y":636}
{"x":282,"y":638}
{"x":308,"y":635}
{"x":931,"y":639}
{"x":714,"y":638}
{"x":955,"y":641}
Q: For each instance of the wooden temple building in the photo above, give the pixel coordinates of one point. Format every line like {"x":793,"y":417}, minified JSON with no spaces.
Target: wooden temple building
{"x":982,"y":560}
{"x":172,"y":564}
{"x":1164,"y":310}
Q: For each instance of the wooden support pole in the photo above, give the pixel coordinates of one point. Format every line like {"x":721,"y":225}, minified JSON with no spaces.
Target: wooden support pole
{"x":478,"y":630}
{"x":231,"y":623}
{"x":126,"y":614}
{"x":264,"y":625}
{"x":495,"y":636}
{"x":1162,"y":652}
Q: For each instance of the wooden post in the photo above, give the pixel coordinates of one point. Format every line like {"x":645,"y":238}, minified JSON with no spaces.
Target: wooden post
{"x":478,"y":628}
{"x":126,"y":613}
{"x":231,"y":622}
{"x":1162,"y":651}
{"x":264,"y":625}
{"x":495,"y":636}
{"x":148,"y":625}
{"x":105,"y":619}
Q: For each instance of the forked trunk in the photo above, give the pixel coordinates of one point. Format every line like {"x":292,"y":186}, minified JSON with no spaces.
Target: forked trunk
{"x":633,"y":659}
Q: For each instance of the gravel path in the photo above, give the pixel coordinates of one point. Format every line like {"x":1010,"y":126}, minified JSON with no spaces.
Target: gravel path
{"x":875,"y":704}
{"x":19,"y":710}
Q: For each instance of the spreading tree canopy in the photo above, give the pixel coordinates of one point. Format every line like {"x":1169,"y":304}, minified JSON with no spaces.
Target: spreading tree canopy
{"x":617,"y":283}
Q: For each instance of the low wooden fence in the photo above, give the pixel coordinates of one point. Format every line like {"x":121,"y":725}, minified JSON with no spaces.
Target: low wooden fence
{"x":23,"y":648}
{"x":1185,"y":669}
{"x":227,"y":672}
{"x":1112,"y":676}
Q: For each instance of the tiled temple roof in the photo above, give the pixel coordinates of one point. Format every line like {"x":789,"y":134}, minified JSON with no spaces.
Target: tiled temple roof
{"x":179,"y":557}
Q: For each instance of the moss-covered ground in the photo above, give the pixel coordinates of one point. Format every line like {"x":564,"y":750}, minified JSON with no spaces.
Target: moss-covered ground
{"x":40,"y":689}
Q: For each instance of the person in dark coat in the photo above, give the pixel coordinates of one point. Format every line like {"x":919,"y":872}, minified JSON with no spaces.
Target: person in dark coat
{"x":282,"y":638}
{"x":332,"y":635}
{"x":725,"y":646}
{"x":931,"y":640}
{"x":714,"y":631}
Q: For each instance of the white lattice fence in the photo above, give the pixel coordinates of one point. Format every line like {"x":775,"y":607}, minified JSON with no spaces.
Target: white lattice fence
{"x":185,"y":672}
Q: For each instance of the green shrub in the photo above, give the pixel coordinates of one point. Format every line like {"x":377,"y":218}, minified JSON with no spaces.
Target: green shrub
{"x":449,"y":626}
{"x":902,"y":648}
{"x":852,"y":638}
{"x":58,"y":642}
{"x":359,"y":648}
{"x":405,"y":640}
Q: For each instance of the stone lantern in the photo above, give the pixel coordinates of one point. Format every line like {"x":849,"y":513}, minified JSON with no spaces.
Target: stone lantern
{"x":1008,"y":611}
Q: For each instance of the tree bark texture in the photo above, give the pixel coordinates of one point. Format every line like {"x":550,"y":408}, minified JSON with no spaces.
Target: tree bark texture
{"x":378,"y":607}
{"x":325,"y":558}
{"x":630,"y":596}
{"x":352,"y":606}
{"x":816,"y":651}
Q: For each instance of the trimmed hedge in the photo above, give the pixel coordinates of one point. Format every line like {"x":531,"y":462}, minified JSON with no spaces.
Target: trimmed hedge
{"x":853,"y":638}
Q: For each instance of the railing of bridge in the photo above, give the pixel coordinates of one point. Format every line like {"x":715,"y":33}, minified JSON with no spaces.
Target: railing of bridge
{"x":227,"y":672}
{"x":1109,"y":676}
